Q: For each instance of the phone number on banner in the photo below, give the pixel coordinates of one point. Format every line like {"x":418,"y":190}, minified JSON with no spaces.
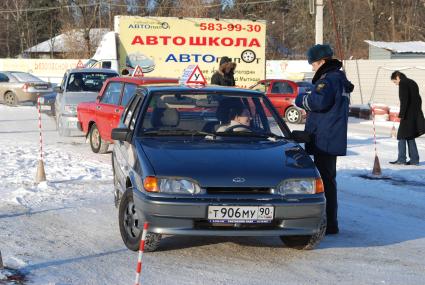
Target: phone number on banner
{"x":229,"y":27}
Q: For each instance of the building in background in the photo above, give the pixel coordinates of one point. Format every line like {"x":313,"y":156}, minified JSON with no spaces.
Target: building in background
{"x":396,"y":50}
{"x":65,"y":45}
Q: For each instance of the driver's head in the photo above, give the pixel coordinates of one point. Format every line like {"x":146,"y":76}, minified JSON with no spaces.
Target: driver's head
{"x":240,"y":115}
{"x":78,"y":79}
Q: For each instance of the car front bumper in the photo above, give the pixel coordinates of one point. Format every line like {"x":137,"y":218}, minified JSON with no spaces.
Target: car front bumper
{"x":190,"y":216}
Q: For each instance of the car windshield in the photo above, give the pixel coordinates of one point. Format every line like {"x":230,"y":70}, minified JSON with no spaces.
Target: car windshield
{"x":25,"y":77}
{"x":225,"y":115}
{"x":87,"y":81}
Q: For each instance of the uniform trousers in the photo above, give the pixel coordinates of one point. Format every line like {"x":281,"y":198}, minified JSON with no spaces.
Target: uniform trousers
{"x":326,"y":164}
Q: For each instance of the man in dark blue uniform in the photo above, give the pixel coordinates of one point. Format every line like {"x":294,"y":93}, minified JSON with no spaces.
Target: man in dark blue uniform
{"x":327,"y":119}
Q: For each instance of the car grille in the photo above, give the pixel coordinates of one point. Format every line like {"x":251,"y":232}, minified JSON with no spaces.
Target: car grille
{"x":238,"y":190}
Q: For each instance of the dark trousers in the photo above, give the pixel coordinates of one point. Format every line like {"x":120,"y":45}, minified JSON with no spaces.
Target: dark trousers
{"x":413,"y":151}
{"x":326,"y":164}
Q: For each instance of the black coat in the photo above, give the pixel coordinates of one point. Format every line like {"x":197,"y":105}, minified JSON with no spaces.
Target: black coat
{"x":226,"y":79}
{"x":412,"y":123}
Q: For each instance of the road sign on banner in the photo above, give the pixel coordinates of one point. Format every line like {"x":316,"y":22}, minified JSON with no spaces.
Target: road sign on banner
{"x":138,"y":71}
{"x":193,"y":75}
{"x":80,"y":64}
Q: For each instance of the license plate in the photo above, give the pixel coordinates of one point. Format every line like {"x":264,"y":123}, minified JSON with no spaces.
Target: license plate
{"x":240,"y":214}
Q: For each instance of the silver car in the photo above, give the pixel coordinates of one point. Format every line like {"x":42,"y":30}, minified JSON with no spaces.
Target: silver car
{"x":78,"y":85}
{"x":18,"y":87}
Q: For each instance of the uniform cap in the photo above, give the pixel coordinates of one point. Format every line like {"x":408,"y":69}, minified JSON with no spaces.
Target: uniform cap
{"x":318,"y":52}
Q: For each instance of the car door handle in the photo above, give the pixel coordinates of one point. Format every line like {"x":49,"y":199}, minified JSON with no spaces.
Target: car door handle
{"x":117,"y":110}
{"x":98,"y":107}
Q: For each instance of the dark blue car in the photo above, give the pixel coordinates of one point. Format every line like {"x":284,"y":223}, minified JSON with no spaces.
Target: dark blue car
{"x":213,"y":161}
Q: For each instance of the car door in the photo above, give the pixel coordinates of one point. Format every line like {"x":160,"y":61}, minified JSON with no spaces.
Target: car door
{"x":124,"y":153}
{"x":281,"y":95}
{"x":108,"y":109}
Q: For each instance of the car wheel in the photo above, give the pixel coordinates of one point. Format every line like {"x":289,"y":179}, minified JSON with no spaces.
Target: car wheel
{"x":293,"y":115}
{"x":97,"y":144}
{"x":306,"y":242}
{"x":63,"y":132}
{"x":131,"y":225}
{"x":10,"y":99}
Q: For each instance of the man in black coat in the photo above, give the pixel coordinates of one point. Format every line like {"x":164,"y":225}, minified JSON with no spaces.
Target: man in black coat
{"x":225,"y":74}
{"x":412,"y":122}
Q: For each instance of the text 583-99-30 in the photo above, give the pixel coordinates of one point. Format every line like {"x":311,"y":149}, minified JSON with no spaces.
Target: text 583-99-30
{"x":230,"y":27}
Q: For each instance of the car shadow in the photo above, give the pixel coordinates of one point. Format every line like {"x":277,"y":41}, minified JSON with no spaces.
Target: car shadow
{"x":171,"y":243}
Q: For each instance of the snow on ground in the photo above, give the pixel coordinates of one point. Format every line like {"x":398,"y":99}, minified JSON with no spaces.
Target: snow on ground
{"x":65,"y":231}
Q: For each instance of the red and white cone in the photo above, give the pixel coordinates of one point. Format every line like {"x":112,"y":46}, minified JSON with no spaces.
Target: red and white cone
{"x":393,"y":132}
{"x":376,"y":171}
{"x":41,"y":174}
{"x":141,"y":250}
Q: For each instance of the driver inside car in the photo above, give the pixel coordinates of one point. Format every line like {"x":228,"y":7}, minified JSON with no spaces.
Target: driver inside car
{"x":238,"y":117}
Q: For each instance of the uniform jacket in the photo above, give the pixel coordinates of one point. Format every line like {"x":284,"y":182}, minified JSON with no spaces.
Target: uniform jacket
{"x":412,"y":123}
{"x":327,"y":108}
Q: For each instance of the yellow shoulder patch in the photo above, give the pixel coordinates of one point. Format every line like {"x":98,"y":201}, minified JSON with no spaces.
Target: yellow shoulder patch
{"x":320,"y":86}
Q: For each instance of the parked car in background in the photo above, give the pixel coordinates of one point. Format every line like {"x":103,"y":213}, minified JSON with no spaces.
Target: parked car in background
{"x":78,"y":85}
{"x":282,"y":94}
{"x":97,"y":119}
{"x":18,"y":87}
{"x":183,"y":164}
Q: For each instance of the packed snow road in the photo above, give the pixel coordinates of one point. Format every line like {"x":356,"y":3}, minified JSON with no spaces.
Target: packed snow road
{"x":65,"y":231}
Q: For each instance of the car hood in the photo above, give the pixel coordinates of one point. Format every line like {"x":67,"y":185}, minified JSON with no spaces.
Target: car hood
{"x":216,"y":164}
{"x":73,"y":98}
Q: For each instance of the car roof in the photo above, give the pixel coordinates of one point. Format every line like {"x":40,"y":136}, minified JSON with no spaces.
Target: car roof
{"x":204,"y":89}
{"x":143,"y":80}
{"x":84,"y":70}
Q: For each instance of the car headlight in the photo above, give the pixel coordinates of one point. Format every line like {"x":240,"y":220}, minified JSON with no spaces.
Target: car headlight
{"x":70,"y":109}
{"x":301,"y":186}
{"x":171,"y":185}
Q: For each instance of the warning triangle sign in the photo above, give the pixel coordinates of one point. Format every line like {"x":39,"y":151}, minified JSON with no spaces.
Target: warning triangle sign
{"x":80,"y":64}
{"x":196,"y":77}
{"x":137,"y":72}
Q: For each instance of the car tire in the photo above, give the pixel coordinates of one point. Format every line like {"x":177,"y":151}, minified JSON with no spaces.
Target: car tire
{"x":97,"y":144}
{"x":293,"y":115}
{"x":10,"y":99}
{"x":63,"y":132}
{"x":131,"y":225}
{"x":306,"y":242}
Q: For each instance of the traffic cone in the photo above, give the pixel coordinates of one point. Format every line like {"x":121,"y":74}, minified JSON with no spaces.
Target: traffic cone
{"x":393,"y":132}
{"x":376,"y":167}
{"x":41,"y":175}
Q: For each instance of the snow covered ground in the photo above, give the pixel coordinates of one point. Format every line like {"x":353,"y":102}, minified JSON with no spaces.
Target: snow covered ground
{"x":65,"y":231}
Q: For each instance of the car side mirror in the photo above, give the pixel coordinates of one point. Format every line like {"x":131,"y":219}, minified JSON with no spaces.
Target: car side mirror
{"x":301,"y":136}
{"x":57,"y":89}
{"x":121,"y":134}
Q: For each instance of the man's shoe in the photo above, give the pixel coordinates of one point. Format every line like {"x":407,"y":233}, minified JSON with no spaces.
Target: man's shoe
{"x":332,"y":230}
{"x":398,"y":162}
{"x":412,"y":163}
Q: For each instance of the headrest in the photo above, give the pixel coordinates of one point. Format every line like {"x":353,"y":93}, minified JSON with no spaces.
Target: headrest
{"x":162,"y":117}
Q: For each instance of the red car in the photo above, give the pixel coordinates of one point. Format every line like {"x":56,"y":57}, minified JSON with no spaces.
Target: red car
{"x":97,"y":119}
{"x":282,"y":94}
